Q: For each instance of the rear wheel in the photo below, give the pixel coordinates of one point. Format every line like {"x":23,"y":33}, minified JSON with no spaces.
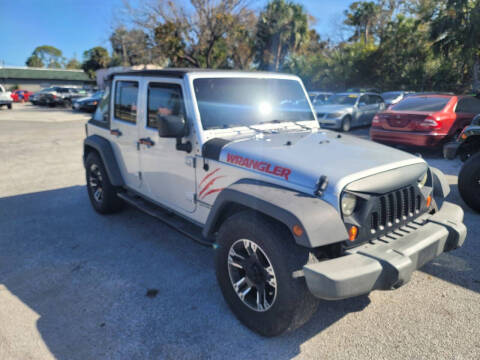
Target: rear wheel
{"x":9,"y":106}
{"x":254,"y":264}
{"x":102,"y":194}
{"x":346,"y":124}
{"x":469,"y":182}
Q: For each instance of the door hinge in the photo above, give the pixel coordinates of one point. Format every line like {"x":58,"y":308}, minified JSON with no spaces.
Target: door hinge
{"x":191,"y":161}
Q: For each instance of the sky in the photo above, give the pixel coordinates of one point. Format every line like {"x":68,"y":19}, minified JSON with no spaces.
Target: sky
{"x":74,"y":26}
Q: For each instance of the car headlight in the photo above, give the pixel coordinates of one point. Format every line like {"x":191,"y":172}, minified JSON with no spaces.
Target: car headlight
{"x":348,"y":203}
{"x":422,"y":180}
{"x":334,"y":115}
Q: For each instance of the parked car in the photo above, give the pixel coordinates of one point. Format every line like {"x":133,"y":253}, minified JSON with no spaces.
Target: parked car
{"x":88,"y":104}
{"x":63,"y":96}
{"x":343,"y":111}
{"x":393,"y":97}
{"x":424,"y":120}
{"x":467,"y":146}
{"x":37,"y":98}
{"x":319,"y":97}
{"x":293,"y":215}
{"x":21,"y":95}
{"x":5,"y":98}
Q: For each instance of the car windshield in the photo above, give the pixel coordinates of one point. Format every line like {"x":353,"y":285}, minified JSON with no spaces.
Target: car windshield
{"x":342,"y":99}
{"x":422,"y":104}
{"x":391,"y":95}
{"x":231,"y":102}
{"x":98,"y":95}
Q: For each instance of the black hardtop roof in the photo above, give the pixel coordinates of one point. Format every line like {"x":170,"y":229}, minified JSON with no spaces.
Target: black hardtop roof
{"x":180,"y":72}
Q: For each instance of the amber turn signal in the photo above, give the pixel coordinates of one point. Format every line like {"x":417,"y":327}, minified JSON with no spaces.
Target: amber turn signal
{"x":429,"y":201}
{"x":463,"y":136}
{"x":352,"y":233}
{"x":297,"y":230}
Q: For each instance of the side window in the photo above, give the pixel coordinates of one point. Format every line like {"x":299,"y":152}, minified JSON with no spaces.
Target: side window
{"x":126,"y":93}
{"x":164,"y":100}
{"x":101,"y":113}
{"x":468,"y":105}
{"x":363,"y":100}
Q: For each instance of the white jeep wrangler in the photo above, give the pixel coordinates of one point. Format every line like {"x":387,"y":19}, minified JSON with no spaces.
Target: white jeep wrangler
{"x":295,"y":213}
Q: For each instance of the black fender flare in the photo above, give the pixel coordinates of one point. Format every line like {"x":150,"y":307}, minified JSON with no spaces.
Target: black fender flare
{"x":104,"y":149}
{"x":441,"y":188}
{"x":321,"y":222}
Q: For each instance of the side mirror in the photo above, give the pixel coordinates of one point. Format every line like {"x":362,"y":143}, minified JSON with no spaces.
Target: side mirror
{"x":171,"y":126}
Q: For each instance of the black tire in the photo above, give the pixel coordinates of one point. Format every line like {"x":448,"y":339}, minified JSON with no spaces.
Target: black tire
{"x":293,"y":304}
{"x":67,"y":103}
{"x":346,"y":124}
{"x":107,"y":202}
{"x":9,"y":106}
{"x":469,"y":182}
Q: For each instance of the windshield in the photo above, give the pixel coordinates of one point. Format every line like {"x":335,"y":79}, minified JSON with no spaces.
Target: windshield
{"x":230,"y":102}
{"x":422,"y":104}
{"x":339,"y":99}
{"x":391,"y":95}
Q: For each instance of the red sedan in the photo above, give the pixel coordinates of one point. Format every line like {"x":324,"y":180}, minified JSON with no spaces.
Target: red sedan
{"x":20,"y":95}
{"x":424,"y":120}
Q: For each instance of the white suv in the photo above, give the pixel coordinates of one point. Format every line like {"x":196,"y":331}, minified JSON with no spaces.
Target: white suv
{"x":295,"y":213}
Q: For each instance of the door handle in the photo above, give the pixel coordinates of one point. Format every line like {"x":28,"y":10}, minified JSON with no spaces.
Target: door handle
{"x":116,"y":132}
{"x":146,"y":141}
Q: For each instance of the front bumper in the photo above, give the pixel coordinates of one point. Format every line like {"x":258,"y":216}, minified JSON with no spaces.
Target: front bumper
{"x":335,"y":123}
{"x":6,"y":102}
{"x":388,"y":262}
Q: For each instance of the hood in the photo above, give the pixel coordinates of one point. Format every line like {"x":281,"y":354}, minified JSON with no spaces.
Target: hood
{"x":299,"y":159}
{"x":332,"y":108}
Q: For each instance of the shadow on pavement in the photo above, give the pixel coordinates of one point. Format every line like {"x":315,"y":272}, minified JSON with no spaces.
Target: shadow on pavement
{"x":126,"y":286}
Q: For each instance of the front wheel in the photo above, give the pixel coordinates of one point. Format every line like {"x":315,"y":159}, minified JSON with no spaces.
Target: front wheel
{"x":346,"y":124}
{"x":255,"y":263}
{"x":102,"y":194}
{"x":9,"y":106}
{"x":469,"y":182}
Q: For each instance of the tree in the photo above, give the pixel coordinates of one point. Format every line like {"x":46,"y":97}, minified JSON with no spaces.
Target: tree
{"x":282,"y":28}
{"x":73,"y":63}
{"x":195,"y":36}
{"x":130,"y":47}
{"x":94,"y":59}
{"x":49,"y":55}
{"x":34,"y":61}
{"x":455,"y":30}
{"x":362,"y":15}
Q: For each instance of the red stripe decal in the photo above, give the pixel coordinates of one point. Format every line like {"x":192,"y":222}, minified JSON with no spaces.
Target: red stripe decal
{"x":210,"y":183}
{"x":211,"y":192}
{"x":207,"y":176}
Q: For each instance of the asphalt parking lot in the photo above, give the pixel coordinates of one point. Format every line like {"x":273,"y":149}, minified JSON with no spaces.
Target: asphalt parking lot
{"x":73,"y":284}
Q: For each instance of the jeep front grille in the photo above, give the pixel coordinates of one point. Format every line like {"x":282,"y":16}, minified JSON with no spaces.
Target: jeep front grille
{"x":394,"y":208}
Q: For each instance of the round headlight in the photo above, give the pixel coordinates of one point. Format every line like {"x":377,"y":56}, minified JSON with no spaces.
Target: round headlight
{"x":349,"y":202}
{"x":422,"y":180}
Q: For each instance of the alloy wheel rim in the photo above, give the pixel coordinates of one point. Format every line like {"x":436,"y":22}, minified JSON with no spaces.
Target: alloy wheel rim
{"x":252,"y":275}
{"x":95,"y":182}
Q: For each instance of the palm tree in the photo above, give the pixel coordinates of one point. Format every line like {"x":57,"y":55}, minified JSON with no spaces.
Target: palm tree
{"x":455,"y":28}
{"x":282,"y":28}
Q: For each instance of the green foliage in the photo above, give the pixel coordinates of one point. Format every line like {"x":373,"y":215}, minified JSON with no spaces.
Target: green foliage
{"x":94,"y":59}
{"x":282,"y":29}
{"x":49,"y":55}
{"x":73,"y":64}
{"x":34,"y":61}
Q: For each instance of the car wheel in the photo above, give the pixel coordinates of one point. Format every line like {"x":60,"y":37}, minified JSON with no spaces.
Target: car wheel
{"x":102,"y":194}
{"x":346,"y":124}
{"x":255,"y":262}
{"x":9,"y":106}
{"x":469,"y":182}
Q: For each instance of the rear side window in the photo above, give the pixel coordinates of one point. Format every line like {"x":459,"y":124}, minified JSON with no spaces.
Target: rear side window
{"x":101,"y":113}
{"x":164,"y":100}
{"x":126,"y":93}
{"x":422,"y":104}
{"x":469,"y":105}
